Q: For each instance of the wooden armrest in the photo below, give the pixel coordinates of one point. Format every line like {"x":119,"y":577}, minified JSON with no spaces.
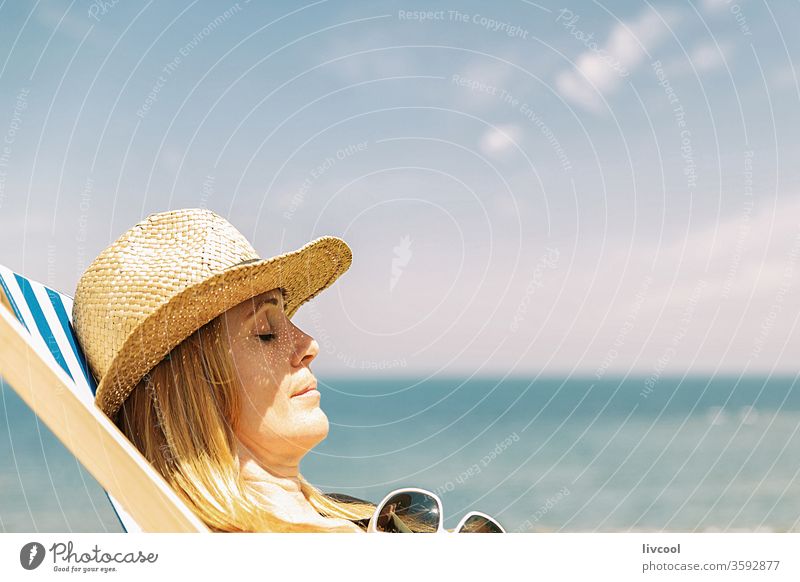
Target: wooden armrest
{"x":4,"y":300}
{"x":90,"y":435}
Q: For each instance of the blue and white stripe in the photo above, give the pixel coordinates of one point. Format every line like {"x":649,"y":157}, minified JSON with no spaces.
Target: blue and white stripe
{"x":47,"y":315}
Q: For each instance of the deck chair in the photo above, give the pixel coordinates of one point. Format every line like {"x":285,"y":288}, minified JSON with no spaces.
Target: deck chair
{"x":42,"y":361}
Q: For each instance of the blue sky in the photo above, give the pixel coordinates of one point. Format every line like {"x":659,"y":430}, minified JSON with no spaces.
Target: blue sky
{"x":588,"y":188}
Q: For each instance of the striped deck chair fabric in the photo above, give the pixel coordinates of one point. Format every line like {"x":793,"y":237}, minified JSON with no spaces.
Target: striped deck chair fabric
{"x":47,"y":316}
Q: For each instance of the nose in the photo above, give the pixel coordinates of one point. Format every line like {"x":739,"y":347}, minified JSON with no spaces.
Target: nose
{"x":306,"y":348}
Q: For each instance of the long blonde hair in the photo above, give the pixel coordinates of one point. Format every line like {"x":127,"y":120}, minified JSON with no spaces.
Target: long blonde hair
{"x":183,"y":415}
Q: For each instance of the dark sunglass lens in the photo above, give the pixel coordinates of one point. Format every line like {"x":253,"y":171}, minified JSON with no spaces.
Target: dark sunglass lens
{"x":480,"y":524}
{"x":409,"y":512}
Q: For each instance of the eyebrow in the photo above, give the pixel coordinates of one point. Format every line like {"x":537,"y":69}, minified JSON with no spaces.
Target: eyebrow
{"x":272,"y":300}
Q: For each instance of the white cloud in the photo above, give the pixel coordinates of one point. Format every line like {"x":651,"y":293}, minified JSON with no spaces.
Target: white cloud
{"x":723,"y":278}
{"x":714,"y":6}
{"x":748,"y":264}
{"x":579,"y":90}
{"x":600,"y":70}
{"x":170,"y":159}
{"x":702,"y":58}
{"x":482,"y":82}
{"x":499,"y":140}
{"x":708,"y":56}
{"x":783,"y":77}
{"x":60,"y":18}
{"x":368,"y":56}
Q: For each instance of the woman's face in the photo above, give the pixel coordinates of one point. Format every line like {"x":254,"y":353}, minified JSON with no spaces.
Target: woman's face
{"x":272,"y":357}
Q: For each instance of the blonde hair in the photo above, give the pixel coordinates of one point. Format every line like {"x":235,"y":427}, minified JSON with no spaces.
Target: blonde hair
{"x":183,"y":415}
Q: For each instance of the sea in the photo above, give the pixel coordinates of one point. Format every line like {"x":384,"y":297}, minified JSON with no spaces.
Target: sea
{"x":540,"y":454}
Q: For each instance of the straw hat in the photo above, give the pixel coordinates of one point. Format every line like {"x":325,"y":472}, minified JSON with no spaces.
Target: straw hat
{"x":171,"y":274}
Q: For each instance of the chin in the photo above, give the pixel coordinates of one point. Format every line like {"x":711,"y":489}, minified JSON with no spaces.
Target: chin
{"x":314,"y":429}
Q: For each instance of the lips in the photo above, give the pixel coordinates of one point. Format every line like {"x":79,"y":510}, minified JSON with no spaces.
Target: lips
{"x":312,"y":386}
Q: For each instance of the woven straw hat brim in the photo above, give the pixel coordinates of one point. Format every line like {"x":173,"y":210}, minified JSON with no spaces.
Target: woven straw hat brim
{"x":302,"y":274}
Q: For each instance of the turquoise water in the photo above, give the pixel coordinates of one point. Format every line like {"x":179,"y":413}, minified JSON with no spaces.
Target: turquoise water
{"x":547,"y":455}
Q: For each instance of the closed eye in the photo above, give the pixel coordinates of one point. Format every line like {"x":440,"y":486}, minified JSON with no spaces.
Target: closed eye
{"x":265,"y":337}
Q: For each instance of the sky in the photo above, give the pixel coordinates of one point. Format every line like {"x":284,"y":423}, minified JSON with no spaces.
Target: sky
{"x":577,"y":188}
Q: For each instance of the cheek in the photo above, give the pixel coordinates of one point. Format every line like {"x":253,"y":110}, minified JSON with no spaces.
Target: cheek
{"x":258,"y":363}
{"x":262,"y":410}
{"x":259,"y":369}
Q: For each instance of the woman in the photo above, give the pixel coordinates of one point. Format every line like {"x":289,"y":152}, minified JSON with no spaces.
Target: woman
{"x":190,"y":335}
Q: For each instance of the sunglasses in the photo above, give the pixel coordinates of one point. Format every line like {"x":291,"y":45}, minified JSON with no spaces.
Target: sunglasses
{"x":412,"y":510}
